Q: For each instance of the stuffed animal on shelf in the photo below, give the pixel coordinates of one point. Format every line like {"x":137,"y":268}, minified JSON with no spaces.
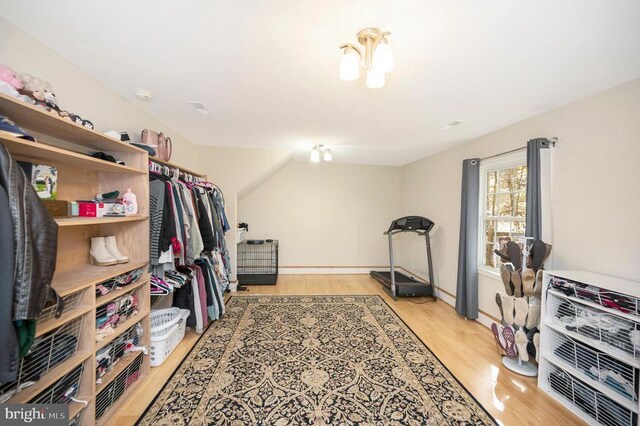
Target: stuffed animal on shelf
{"x":10,"y":83}
{"x":40,"y":92}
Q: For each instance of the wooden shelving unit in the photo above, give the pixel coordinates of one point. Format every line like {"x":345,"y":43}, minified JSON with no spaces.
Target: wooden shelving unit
{"x":68,"y":146}
{"x":176,"y":166}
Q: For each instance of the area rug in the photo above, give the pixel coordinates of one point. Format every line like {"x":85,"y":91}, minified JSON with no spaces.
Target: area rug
{"x":312,"y":360}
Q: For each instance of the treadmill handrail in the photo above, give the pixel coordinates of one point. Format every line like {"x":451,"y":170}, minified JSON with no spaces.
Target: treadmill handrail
{"x":399,"y":231}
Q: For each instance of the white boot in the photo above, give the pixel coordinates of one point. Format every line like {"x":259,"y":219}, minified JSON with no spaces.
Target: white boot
{"x":112,"y":247}
{"x":99,"y":254}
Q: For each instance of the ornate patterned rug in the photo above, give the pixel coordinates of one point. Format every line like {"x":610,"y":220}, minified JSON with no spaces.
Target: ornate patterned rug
{"x":312,"y":360}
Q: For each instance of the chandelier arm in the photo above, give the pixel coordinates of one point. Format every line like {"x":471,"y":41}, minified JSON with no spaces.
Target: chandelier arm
{"x":352,"y":46}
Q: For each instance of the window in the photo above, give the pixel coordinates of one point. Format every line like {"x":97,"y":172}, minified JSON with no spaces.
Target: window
{"x":503,"y":185}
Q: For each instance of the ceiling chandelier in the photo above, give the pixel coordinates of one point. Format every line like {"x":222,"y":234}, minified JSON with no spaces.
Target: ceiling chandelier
{"x":321,"y":151}
{"x":377,"y":58}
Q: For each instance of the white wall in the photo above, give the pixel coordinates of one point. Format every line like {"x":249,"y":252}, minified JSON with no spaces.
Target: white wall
{"x":595,"y":190}
{"x":80,"y":93}
{"x":327,"y":214}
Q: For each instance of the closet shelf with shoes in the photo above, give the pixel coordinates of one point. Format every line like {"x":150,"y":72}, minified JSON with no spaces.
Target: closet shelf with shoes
{"x":65,"y":333}
{"x":42,"y":122}
{"x":590,"y":346}
{"x":22,"y":149}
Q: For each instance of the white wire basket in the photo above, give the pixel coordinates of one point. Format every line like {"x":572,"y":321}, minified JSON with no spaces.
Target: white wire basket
{"x":62,"y":391}
{"x":601,"y":408}
{"x":71,"y":302}
{"x":167,"y":331}
{"x":114,"y":390}
{"x":621,"y":334}
{"x":596,"y":366}
{"x":47,"y":352}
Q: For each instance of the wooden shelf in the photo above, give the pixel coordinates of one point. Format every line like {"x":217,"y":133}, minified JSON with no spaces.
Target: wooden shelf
{"x":117,"y":369}
{"x":48,"y":379}
{"x":38,"y":120}
{"x":101,"y":300}
{"x":176,"y":166}
{"x":76,"y":407}
{"x":122,"y":328}
{"x":88,"y":275}
{"x":54,"y":323}
{"x":87,"y":221}
{"x":33,"y":152}
{"x":65,"y":145}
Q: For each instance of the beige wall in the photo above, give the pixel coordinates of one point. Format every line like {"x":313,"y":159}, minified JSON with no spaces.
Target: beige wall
{"x":325,"y":214}
{"x":237,"y":171}
{"x":78,"y":92}
{"x":595,"y":195}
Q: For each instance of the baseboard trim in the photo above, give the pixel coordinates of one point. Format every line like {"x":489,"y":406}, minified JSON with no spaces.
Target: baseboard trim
{"x":329,"y":270}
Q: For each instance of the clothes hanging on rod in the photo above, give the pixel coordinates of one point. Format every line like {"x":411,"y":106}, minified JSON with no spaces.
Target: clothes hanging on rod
{"x":189,"y":257}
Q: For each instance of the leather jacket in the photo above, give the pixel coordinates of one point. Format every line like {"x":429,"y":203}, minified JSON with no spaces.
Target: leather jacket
{"x":35,"y":237}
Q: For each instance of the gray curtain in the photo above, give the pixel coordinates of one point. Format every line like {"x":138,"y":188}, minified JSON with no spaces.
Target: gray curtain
{"x":467,"y":289}
{"x":534,"y":198}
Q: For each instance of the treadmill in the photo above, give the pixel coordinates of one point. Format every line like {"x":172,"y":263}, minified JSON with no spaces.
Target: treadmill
{"x":395,"y":283}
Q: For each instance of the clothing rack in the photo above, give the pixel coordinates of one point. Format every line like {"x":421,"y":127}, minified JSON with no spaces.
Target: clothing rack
{"x":176,"y":172}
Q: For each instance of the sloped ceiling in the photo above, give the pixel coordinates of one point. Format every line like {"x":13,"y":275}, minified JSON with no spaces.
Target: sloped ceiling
{"x":268,"y":70}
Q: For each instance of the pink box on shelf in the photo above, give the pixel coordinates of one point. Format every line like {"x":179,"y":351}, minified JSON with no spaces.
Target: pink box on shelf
{"x":91,"y":209}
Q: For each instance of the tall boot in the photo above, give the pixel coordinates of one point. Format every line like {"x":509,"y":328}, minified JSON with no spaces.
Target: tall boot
{"x":99,"y":254}
{"x":112,"y":247}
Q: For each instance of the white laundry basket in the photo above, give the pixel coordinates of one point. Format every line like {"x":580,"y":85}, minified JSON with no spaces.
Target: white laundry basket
{"x":167,"y":330}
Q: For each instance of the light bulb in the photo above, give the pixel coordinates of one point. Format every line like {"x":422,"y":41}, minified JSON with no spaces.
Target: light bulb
{"x":315,"y":155}
{"x":349,"y":65}
{"x":383,"y":57}
{"x":327,"y":155}
{"x":375,"y":79}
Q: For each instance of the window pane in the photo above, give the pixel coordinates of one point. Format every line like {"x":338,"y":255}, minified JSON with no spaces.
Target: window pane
{"x":489,"y":257}
{"x":491,"y":182}
{"x":492,"y":206}
{"x":520,"y":178}
{"x":517,"y":229}
{"x":513,"y":179}
{"x":504,"y":229}
{"x":490,"y":230}
{"x":521,"y":204}
{"x":504,"y":205}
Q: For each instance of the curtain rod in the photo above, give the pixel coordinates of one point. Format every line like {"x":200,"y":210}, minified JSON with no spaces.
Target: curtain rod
{"x":551,"y":140}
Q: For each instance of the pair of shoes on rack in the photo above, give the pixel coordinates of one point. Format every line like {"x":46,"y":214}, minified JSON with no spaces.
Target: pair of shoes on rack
{"x":105,"y":252}
{"x":519,"y":311}
{"x":513,"y":343}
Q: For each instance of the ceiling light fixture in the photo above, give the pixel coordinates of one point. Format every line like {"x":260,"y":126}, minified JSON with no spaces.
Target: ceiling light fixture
{"x":320,"y":151}
{"x":377,"y":58}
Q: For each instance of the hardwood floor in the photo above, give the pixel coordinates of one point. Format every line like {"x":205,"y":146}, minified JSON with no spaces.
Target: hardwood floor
{"x":465,"y":347}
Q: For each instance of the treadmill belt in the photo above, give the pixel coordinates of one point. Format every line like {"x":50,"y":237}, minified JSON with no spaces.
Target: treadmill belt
{"x":400,"y":277}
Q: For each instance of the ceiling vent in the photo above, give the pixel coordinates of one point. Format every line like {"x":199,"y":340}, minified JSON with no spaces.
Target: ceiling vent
{"x":200,"y":107}
{"x":452,"y":124}
{"x":143,"y":95}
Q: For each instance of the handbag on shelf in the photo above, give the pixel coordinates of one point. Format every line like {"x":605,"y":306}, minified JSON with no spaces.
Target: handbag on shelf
{"x":159,"y":142}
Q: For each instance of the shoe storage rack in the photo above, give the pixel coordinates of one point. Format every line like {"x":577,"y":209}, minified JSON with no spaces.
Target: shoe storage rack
{"x":62,"y":367}
{"x":590,"y":346}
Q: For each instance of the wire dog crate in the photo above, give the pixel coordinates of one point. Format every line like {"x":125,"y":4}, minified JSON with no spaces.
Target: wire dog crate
{"x":258,"y":262}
